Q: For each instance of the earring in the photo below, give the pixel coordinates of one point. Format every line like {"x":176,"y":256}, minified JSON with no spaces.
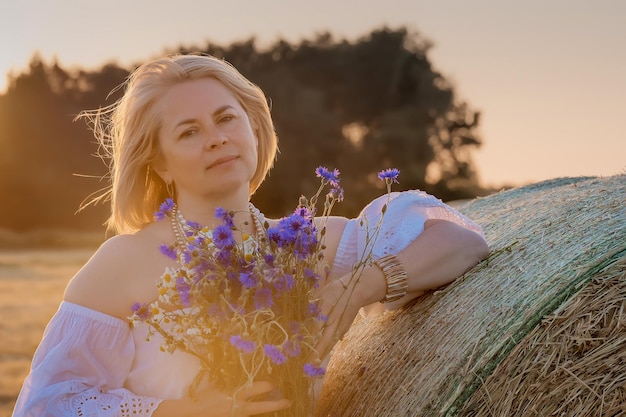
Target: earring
{"x":147,"y":175}
{"x":169,"y":186}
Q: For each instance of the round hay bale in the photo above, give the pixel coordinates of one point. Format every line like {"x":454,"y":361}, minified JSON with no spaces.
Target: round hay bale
{"x":537,"y":329}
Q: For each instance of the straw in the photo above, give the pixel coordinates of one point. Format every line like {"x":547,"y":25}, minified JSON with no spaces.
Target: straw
{"x":551,"y":243}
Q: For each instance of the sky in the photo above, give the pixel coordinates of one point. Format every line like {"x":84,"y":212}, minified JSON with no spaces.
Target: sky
{"x":548,"y":76}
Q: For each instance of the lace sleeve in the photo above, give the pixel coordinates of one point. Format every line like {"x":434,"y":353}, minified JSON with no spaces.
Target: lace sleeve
{"x":80,"y":367}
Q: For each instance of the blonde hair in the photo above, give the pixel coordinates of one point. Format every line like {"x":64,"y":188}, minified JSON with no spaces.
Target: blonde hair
{"x":127,"y":133}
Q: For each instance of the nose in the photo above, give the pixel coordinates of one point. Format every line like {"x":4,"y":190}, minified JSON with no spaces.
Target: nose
{"x":215,"y":139}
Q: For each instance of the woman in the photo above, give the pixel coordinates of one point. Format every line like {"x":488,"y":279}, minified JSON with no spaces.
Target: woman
{"x":193,"y":128}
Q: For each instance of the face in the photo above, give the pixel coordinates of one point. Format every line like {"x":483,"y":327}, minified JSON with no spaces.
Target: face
{"x":208,"y":146}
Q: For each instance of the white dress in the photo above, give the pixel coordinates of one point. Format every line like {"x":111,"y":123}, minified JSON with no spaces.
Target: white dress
{"x":92,"y":364}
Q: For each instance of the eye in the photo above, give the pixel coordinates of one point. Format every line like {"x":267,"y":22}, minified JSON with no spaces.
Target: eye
{"x":188,"y":133}
{"x":226,"y":118}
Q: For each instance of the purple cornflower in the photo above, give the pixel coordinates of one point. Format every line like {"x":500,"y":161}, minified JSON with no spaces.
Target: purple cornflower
{"x":225,"y":216}
{"x":294,"y":223}
{"x":312,"y":370}
{"x":291,"y":348}
{"x":305,"y":244}
{"x":390,"y":175}
{"x":283,"y":282}
{"x":224,"y":256}
{"x":331,"y":176}
{"x":183,"y":291}
{"x":168,"y":251}
{"x":312,"y":276}
{"x":247,"y":280}
{"x":316,"y":312}
{"x":243,"y":345}
{"x":263,"y":299}
{"x":142,"y":310}
{"x":304,"y":212}
{"x":223,"y":237}
{"x":274,"y":354}
{"x":269,"y":259}
{"x":336,"y":193}
{"x":164,"y":209}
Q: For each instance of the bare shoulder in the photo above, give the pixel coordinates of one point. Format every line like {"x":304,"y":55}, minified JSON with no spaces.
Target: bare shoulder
{"x":334,"y":227}
{"x":122,"y":271}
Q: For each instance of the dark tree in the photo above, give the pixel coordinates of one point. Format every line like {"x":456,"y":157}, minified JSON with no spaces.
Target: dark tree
{"x":358,"y":106}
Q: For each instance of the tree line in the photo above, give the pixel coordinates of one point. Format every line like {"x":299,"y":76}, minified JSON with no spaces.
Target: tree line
{"x":359,"y":106}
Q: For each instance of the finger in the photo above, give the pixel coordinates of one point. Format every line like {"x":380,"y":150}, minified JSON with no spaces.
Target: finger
{"x":254,"y":389}
{"x":261,"y":407}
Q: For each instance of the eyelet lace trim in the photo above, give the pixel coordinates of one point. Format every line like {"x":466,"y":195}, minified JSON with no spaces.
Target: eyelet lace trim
{"x":95,"y":403}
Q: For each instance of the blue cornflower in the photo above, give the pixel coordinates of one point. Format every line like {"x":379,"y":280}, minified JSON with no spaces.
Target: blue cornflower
{"x":306,"y":243}
{"x":312,"y":276}
{"x":165,"y":208}
{"x":389,"y":175}
{"x":316,"y":312}
{"x":223,"y":237}
{"x":183,"y":291}
{"x":168,"y":251}
{"x":269,"y":259}
{"x":225,"y":216}
{"x":195,"y":226}
{"x":290,"y":226}
{"x":187,"y":255}
{"x":332,"y":177}
{"x":142,"y":310}
{"x":274,"y":354}
{"x":291,"y":348}
{"x":283,"y":282}
{"x":243,"y":345}
{"x":263,"y":298}
{"x":273,"y":234}
{"x":224,"y":257}
{"x":312,"y":370}
{"x":247,"y":280}
{"x":336,"y":193}
{"x":287,"y":230}
{"x":303,"y":212}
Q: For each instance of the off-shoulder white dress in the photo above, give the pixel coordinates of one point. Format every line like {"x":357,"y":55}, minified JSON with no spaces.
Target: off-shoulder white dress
{"x":92,"y":364}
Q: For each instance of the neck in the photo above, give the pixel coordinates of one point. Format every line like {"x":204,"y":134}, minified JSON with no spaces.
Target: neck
{"x":202,"y":211}
{"x":250,"y":222}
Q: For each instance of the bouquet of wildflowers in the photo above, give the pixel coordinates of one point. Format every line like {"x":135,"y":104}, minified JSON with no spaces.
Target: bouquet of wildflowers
{"x":248,"y":307}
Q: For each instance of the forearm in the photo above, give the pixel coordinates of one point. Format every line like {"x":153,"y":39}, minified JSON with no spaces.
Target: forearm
{"x":440,"y":254}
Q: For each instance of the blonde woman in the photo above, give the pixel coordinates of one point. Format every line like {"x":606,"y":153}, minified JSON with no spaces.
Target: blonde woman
{"x":193,"y":128}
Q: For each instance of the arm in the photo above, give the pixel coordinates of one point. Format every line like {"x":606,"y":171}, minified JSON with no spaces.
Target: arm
{"x":441,"y":252}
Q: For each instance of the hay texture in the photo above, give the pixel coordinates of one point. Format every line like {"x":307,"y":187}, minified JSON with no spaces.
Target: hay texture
{"x":537,"y":329}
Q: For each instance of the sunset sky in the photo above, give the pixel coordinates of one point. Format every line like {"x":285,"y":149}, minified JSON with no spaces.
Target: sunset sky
{"x":549,"y":76}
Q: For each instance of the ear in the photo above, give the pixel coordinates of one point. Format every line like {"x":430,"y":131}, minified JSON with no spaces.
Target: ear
{"x":160,"y":169}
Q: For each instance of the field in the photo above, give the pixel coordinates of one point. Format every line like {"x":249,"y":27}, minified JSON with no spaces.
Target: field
{"x":31,"y":287}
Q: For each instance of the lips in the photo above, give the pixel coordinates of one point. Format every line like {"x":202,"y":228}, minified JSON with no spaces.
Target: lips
{"x":222,"y":160}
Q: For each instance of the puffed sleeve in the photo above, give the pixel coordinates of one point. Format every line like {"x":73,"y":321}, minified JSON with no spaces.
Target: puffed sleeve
{"x":80,"y":367}
{"x":403,"y":221}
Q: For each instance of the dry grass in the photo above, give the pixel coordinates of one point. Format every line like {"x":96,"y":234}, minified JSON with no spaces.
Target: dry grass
{"x":31,"y":287}
{"x":549,"y":242}
{"x":573,"y":364}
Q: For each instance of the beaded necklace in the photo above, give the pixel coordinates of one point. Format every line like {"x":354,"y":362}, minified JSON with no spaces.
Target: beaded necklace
{"x":182,"y":229}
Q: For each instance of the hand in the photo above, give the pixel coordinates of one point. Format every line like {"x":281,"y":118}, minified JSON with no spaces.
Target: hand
{"x":212,"y":402}
{"x":340,"y":303}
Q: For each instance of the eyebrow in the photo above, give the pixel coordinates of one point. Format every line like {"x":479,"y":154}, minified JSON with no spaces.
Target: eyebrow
{"x":217,"y":112}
